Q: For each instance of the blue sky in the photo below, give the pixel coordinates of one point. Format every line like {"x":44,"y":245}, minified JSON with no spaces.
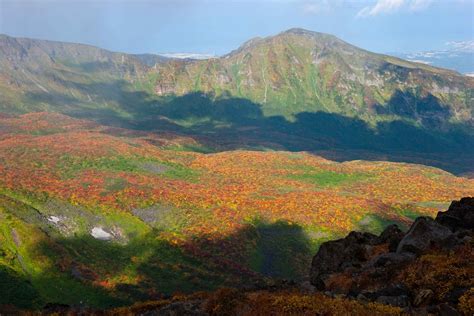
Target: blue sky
{"x":216,"y":27}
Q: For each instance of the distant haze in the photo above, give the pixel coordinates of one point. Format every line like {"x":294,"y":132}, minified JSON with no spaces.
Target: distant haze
{"x":458,"y":56}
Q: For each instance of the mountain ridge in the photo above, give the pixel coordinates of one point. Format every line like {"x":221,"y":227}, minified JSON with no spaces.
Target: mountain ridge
{"x":299,"y":70}
{"x":290,"y":84}
{"x":295,"y":31}
{"x":127,"y":178}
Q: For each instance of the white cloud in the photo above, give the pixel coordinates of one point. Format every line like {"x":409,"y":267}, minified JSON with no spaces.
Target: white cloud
{"x":324,"y":6}
{"x":391,"y":6}
{"x":461,"y":46}
{"x":419,"y":5}
{"x":316,"y":7}
{"x":381,"y":6}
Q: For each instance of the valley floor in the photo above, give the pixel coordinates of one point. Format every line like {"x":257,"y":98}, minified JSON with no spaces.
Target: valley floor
{"x":97,"y":216}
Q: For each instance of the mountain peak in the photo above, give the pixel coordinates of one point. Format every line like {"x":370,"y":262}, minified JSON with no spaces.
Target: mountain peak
{"x":299,"y":31}
{"x":304,"y":32}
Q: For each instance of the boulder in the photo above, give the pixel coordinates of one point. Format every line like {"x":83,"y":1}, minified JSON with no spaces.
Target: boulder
{"x":391,"y":235}
{"x":423,"y":234}
{"x":339,"y":255}
{"x":360,"y":265}
{"x":460,"y":215}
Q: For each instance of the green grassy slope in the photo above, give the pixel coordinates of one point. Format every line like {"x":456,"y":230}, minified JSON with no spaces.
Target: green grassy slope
{"x":298,"y":70}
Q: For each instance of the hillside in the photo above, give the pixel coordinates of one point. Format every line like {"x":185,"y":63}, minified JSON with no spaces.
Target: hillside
{"x":128,"y":178}
{"x":296,"y":91}
{"x":116,"y":216}
{"x":295,"y":71}
{"x":303,"y":71}
{"x":65,"y":77}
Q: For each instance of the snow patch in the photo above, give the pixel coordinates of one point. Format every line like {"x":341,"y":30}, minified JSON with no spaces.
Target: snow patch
{"x":420,"y":61}
{"x":54,"y":219}
{"x":188,"y":55}
{"x":100,"y":233}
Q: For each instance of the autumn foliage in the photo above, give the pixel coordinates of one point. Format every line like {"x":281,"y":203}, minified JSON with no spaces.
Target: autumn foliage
{"x":209,"y":206}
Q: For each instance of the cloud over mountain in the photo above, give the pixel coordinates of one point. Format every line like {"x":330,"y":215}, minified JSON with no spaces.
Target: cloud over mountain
{"x":391,"y":6}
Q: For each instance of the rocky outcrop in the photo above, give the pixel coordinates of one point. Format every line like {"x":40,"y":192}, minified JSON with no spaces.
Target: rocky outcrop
{"x":459,"y":216}
{"x":382,"y":268}
{"x":353,"y":252}
{"x":338,"y":255}
{"x":423,"y":234}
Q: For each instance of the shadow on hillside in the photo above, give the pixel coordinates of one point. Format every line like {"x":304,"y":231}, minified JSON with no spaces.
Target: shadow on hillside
{"x":151,"y":268}
{"x":428,"y":109}
{"x":235,"y":123}
{"x":227,"y":123}
{"x":16,"y":290}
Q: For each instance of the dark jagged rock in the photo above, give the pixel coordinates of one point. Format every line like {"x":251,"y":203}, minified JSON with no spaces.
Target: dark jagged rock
{"x":338,"y":255}
{"x":392,"y":235}
{"x":423,"y":234}
{"x":460,"y":215}
{"x":373,"y":265}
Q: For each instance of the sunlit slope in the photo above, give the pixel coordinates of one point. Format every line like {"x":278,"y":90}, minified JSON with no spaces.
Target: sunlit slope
{"x":107,"y":216}
{"x":292,"y":72}
{"x":296,"y":91}
{"x":299,"y":70}
{"x":40,"y":75}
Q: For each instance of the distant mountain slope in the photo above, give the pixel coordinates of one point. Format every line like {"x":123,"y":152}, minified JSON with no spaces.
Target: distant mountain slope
{"x":151,"y":59}
{"x":298,"y":91}
{"x":292,"y":72}
{"x":299,"y":70}
{"x":46,"y":75}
